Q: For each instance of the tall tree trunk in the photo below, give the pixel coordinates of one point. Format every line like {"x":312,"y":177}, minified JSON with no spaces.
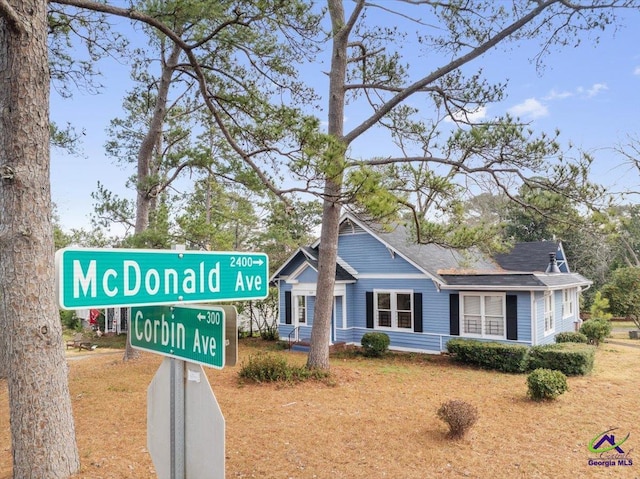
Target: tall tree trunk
{"x":321,"y":330}
{"x":42,"y":427}
{"x":145,"y":201}
{"x":153,"y":138}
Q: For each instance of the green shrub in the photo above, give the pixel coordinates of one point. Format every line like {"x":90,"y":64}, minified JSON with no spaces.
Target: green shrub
{"x":375,"y":345}
{"x":571,"y":337}
{"x":546,"y":384}
{"x":600,"y":307}
{"x":270,"y":334}
{"x":570,"y":358}
{"x":596,"y":330}
{"x":70,"y":320}
{"x":459,"y":416}
{"x":265,"y":367}
{"x":510,"y":358}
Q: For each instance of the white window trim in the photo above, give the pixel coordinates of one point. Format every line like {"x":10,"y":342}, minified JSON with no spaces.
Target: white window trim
{"x":482,"y":315}
{"x":568,"y":303}
{"x":297,"y":309}
{"x":394,"y":309}
{"x":549,"y":313}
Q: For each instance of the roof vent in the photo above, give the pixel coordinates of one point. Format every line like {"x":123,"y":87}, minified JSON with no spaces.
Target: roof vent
{"x":553,"y":264}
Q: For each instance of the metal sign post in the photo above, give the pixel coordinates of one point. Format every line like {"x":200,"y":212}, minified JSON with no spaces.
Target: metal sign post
{"x":185,"y":426}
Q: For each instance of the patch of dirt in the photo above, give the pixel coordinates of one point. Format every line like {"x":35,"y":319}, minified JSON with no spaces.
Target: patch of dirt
{"x":375,"y":418}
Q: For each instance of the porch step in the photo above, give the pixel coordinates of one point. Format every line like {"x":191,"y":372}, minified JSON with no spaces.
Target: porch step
{"x":301,"y":347}
{"x":305,"y":346}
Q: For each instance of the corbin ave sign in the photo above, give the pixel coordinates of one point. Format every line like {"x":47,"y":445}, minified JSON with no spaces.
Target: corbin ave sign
{"x":201,"y":334}
{"x":100,"y":278}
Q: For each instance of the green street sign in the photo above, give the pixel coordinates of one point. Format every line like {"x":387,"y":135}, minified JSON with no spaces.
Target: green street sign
{"x":101,"y":278}
{"x":198,"y":334}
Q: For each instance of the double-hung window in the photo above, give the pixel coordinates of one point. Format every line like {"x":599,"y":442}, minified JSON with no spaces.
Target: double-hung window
{"x":301,"y":309}
{"x":567,"y":303}
{"x":549,"y":325}
{"x":483,"y":315}
{"x":394,"y":309}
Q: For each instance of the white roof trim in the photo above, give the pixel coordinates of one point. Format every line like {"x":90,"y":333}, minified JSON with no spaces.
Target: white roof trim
{"x":274,"y":275}
{"x":346,"y":266}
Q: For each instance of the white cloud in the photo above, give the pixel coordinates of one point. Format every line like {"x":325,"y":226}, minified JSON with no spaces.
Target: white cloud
{"x":531,"y":108}
{"x":557,"y":95}
{"x":636,"y":71}
{"x":594,"y":90}
{"x":476,"y":115}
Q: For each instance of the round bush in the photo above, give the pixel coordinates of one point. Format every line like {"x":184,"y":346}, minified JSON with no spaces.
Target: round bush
{"x":596,"y":330}
{"x":546,"y":384}
{"x":571,"y":337}
{"x":375,"y":345}
{"x":459,"y":416}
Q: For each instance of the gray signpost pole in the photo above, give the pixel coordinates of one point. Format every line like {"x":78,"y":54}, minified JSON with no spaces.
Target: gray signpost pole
{"x":177,"y":439}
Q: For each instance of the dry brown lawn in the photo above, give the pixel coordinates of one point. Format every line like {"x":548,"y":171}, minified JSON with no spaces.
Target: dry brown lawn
{"x":373,"y":419}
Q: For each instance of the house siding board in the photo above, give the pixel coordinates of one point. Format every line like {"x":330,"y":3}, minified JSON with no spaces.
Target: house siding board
{"x":524,"y":317}
{"x":284,"y":331}
{"x":345,"y":336}
{"x":405,"y":340}
{"x":367,"y":255}
{"x":309,"y":275}
{"x":311,"y":302}
{"x":304,"y":333}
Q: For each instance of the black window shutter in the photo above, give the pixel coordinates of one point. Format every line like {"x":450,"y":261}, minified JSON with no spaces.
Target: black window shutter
{"x":454,"y":314}
{"x":417,"y":312}
{"x":369,"y":309}
{"x":512,"y":317}
{"x":287,"y":307}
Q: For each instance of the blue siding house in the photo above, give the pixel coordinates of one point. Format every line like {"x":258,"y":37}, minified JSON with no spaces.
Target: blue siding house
{"x":422,"y":296}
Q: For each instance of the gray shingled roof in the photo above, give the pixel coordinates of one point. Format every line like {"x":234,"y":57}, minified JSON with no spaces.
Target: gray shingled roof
{"x":523,"y":267}
{"x":531,"y":256}
{"x":516,"y":280}
{"x":433,"y":258}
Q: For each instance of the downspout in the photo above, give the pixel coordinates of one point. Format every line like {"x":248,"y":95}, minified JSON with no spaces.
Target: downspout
{"x":534,"y":314}
{"x":279,"y":309}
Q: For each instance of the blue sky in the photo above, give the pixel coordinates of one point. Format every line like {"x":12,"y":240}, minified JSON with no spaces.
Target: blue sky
{"x":590,"y":93}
